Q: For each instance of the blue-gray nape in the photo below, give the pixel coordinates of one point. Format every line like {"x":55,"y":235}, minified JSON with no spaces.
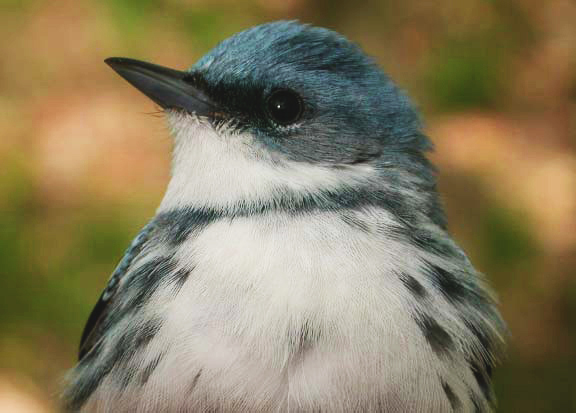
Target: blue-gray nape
{"x":353,"y":111}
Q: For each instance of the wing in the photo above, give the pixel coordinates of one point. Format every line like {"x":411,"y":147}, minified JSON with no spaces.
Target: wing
{"x":95,"y":326}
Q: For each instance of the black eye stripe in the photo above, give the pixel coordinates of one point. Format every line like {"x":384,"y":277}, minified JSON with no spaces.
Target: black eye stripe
{"x":284,"y":106}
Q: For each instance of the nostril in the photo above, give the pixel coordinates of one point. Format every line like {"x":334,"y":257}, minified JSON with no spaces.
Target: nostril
{"x":188,"y":78}
{"x":192,"y":78}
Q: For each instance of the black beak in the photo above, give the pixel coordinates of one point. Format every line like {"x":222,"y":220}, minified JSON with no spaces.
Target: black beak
{"x":167,"y":87}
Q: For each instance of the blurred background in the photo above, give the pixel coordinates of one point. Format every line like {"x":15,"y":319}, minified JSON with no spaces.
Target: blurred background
{"x":84,"y":160}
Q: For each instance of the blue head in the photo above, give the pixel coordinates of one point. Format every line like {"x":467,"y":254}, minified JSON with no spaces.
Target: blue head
{"x":350,"y":110}
{"x":301,"y":98}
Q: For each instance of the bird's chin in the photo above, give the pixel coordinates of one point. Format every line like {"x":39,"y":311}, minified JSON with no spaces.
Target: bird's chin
{"x":178,"y":118}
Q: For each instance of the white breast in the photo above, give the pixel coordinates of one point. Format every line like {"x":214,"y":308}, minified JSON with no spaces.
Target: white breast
{"x":290,"y":313}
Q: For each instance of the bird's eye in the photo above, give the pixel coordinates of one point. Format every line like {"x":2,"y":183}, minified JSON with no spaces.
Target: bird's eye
{"x":284,"y":106}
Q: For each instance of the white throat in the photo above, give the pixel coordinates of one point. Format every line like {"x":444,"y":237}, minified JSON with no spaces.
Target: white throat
{"x":220,"y":169}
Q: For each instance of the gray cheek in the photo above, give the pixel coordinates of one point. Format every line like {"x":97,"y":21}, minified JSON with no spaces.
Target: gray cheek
{"x":315,"y":146}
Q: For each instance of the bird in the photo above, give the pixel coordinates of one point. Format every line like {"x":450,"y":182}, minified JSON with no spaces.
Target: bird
{"x":300,"y":259}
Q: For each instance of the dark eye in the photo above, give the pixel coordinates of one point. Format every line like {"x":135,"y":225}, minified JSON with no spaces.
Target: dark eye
{"x":284,"y":106}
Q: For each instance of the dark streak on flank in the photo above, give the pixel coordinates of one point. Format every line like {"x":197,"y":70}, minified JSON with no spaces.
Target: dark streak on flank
{"x":140,"y":284}
{"x":483,"y":380}
{"x":124,"y":374}
{"x":119,"y":354}
{"x":413,"y":285}
{"x":308,"y":336}
{"x":149,"y":369}
{"x":91,"y":375}
{"x":452,"y":398}
{"x":435,"y":334}
{"x":135,"y":338}
{"x":424,"y":240}
{"x":83,"y":388}
{"x":302,"y":338}
{"x":180,"y":277}
{"x":145,"y":333}
{"x":487,"y":346}
{"x":450,"y":286}
{"x":77,"y":394}
{"x":476,"y":403}
{"x":195,"y":381}
{"x":482,"y":336}
{"x":140,"y":337}
{"x":146,"y":279}
{"x":355,"y":222}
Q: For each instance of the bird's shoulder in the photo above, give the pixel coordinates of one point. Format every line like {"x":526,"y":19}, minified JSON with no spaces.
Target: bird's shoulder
{"x":95,"y":326}
{"x":141,"y":269}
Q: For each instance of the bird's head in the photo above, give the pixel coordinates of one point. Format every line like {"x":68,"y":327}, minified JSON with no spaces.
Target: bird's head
{"x":282,"y":108}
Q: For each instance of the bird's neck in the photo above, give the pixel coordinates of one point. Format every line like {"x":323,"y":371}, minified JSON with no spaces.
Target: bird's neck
{"x":212,"y":169}
{"x":230,"y":174}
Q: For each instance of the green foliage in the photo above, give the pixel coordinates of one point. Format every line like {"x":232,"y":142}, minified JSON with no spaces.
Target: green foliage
{"x":506,"y":241}
{"x":465,"y":75}
{"x":542,"y":387}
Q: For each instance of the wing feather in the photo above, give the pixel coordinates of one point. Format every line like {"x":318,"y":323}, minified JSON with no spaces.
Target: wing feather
{"x":95,"y":326}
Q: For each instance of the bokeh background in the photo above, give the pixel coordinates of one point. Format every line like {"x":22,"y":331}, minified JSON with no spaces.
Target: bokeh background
{"x":84,"y":159}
